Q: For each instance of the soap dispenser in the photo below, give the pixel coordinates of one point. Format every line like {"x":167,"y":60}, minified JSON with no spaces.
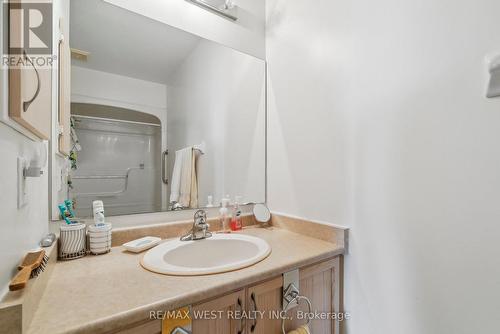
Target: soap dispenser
{"x":236,"y":222}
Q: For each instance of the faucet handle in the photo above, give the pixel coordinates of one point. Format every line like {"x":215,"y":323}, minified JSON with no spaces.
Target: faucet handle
{"x":200,"y":213}
{"x":200,"y":227}
{"x":200,"y":217}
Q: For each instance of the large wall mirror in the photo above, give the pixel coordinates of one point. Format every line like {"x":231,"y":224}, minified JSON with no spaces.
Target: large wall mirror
{"x":161,"y":119}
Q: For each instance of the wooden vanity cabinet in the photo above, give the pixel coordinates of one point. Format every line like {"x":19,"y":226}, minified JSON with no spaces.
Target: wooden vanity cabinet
{"x":321,"y":283}
{"x":219,"y":325}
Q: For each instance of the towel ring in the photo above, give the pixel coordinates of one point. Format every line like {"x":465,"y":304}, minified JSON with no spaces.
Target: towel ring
{"x":297,"y":299}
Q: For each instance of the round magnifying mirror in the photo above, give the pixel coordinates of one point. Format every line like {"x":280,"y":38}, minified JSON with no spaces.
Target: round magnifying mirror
{"x":261,"y":213}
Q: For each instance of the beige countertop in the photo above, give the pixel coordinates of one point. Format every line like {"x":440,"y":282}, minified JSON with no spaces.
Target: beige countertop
{"x":97,"y":294}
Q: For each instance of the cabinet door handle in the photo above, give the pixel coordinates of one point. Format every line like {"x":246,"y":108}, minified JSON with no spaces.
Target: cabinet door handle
{"x":26,"y":104}
{"x":242,"y":325}
{"x":254,"y":325}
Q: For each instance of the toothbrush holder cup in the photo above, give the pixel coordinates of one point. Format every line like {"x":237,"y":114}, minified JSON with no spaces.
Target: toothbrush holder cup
{"x":72,"y":241}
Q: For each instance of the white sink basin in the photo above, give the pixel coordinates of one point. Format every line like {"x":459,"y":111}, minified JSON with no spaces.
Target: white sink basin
{"x":218,"y":254}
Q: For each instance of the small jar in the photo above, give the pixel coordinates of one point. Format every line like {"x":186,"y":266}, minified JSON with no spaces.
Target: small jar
{"x":100,"y":238}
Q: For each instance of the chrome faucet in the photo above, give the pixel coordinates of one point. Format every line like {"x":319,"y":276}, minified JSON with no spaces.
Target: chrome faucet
{"x":200,"y":227}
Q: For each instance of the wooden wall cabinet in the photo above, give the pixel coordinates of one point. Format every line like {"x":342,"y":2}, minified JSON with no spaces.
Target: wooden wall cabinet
{"x":30,"y":99}
{"x":30,"y":86}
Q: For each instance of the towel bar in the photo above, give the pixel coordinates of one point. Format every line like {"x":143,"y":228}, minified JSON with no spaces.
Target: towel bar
{"x":293,"y":301}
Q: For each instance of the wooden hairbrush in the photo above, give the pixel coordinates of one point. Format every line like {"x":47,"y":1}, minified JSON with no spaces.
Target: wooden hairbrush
{"x":33,"y":264}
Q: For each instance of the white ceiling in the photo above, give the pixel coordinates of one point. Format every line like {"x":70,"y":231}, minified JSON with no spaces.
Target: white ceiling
{"x":126,"y":43}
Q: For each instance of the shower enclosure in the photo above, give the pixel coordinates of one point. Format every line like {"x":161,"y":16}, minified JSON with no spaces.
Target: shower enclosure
{"x":118,"y":160}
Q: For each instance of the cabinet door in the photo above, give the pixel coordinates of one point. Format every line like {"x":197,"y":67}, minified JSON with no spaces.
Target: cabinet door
{"x":321,"y":283}
{"x":30,"y":84}
{"x":265,"y":298}
{"x":219,"y":308}
{"x":30,"y":100}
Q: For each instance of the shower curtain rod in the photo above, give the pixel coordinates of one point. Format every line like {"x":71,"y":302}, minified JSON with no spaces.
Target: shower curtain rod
{"x":114,"y":120}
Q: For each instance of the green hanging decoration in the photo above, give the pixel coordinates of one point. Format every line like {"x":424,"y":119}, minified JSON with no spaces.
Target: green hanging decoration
{"x":73,"y":155}
{"x":73,"y":159}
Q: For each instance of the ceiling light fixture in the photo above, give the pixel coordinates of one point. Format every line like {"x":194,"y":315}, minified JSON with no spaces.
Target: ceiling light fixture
{"x":228,"y":10}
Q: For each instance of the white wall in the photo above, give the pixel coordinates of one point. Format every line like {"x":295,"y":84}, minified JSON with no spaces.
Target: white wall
{"x":90,"y":86}
{"x":378,"y":121}
{"x":246,"y":34}
{"x":20,"y":229}
{"x":217,"y":96}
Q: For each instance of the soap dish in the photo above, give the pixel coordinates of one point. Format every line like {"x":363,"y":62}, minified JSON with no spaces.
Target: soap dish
{"x":139,"y":245}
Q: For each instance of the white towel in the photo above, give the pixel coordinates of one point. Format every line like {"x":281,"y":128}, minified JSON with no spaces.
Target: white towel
{"x":184,"y":189}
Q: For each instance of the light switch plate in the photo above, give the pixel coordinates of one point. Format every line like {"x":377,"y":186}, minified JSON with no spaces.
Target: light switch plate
{"x":22,"y":196}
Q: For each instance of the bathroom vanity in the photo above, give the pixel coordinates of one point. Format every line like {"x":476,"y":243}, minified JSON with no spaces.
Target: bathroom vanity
{"x":319,"y":282}
{"x":113,"y":293}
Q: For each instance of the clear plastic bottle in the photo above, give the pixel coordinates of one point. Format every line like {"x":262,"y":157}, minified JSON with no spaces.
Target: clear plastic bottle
{"x":224,"y":215}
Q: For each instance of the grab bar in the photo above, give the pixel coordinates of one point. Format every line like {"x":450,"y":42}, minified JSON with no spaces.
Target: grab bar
{"x":164,"y":177}
{"x":106,"y":177}
{"x":99,"y":177}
